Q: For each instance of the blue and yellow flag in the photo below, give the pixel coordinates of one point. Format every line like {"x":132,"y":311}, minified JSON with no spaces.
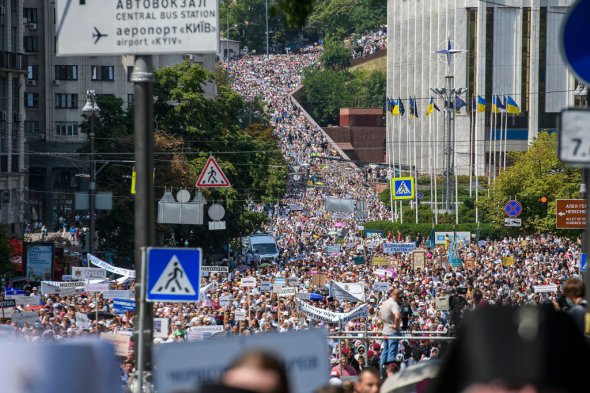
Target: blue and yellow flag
{"x":481,"y":104}
{"x":497,"y":105}
{"x":401,"y":108}
{"x":394,"y":107}
{"x":459,"y":103}
{"x":413,"y":108}
{"x":512,"y":106}
{"x":431,"y":107}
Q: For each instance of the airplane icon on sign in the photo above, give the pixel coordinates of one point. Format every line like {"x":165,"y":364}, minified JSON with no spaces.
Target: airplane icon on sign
{"x":98,"y":35}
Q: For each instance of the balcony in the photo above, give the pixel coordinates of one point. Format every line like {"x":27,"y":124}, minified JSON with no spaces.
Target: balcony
{"x":10,"y":61}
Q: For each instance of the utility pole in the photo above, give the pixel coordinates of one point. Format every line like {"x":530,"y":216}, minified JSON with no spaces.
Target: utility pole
{"x":143,"y":120}
{"x":92,"y":110}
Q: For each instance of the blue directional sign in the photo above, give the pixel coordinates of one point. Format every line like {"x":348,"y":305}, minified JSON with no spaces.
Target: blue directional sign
{"x":513,"y":208}
{"x":173,"y":274}
{"x":402,"y":188}
{"x":575,"y":48}
{"x":583,"y":263}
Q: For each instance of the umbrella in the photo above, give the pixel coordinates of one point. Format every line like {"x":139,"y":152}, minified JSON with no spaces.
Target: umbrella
{"x":265,"y":264}
{"x":315,"y":297}
{"x":101,"y":315}
{"x":339,"y":224}
{"x":406,"y":380}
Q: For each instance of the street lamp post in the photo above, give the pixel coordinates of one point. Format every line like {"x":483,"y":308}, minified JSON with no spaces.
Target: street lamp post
{"x":91,"y":109}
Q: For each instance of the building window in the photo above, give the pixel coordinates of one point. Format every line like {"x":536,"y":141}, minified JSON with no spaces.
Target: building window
{"x":31,"y":44}
{"x":30,"y":15}
{"x":31,"y":127}
{"x":32,"y":72}
{"x":31,"y":100}
{"x":103,"y":73}
{"x":66,"y":100}
{"x":129,"y":73}
{"x":129,"y":100}
{"x":66,"y":129}
{"x":66,"y":72}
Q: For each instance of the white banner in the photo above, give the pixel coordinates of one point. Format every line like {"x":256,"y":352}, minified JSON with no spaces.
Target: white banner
{"x":249,"y":282}
{"x":265,"y":286}
{"x":381,"y":287}
{"x":283,"y":292}
{"x":24,"y":300}
{"x":202,"y":332}
{"x":97,"y":287}
{"x":110,"y":268}
{"x":348,"y":291}
{"x":82,"y":321}
{"x":25,"y":317}
{"x":161,"y":327}
{"x":545,"y":288}
{"x":88,"y":273}
{"x":118,"y":294}
{"x":240,"y":315}
{"x":120,"y":342}
{"x":302,"y":352}
{"x":215,"y":269}
{"x":320,"y":314}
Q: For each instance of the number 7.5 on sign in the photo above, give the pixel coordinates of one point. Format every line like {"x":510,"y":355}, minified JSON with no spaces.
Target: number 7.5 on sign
{"x":574,"y":137}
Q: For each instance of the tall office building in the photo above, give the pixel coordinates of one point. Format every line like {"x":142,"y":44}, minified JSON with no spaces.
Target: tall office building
{"x":509,"y":48}
{"x":13,"y":68}
{"x":54,"y":96}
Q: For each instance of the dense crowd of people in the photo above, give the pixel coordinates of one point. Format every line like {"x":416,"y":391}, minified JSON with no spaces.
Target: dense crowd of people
{"x":320,"y":247}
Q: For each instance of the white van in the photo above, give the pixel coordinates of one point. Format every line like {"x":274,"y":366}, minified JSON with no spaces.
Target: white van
{"x":264,"y":243}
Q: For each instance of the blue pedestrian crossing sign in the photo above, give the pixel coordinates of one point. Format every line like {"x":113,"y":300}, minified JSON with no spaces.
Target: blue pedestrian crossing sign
{"x":173,"y":274}
{"x":583,"y":263}
{"x":402,"y":188}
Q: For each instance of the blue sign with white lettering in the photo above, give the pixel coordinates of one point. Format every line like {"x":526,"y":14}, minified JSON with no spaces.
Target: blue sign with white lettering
{"x":14,"y":291}
{"x":122,"y":305}
{"x":583,"y":265}
{"x":575,"y":46}
{"x":173,"y":274}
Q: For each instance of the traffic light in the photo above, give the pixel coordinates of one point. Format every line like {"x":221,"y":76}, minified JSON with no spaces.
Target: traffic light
{"x":543,"y":201}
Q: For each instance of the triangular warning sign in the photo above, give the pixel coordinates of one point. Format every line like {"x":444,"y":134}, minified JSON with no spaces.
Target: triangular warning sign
{"x":212,"y":175}
{"x":173,"y":280}
{"x":403,"y":189}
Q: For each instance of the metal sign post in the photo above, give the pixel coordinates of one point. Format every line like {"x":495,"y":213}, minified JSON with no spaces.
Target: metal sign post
{"x":143,"y":116}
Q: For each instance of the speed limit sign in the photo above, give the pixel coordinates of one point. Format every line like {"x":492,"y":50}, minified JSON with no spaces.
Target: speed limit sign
{"x":574,"y":137}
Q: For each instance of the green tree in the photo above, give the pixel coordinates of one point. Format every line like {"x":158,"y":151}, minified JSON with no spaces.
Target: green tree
{"x":6,"y":267}
{"x":336,"y":56}
{"x":537,"y":172}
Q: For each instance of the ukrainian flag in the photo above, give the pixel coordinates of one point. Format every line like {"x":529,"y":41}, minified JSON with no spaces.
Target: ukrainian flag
{"x":512,"y":106}
{"x":133,"y":180}
{"x":431,"y":107}
{"x":401,"y":108}
{"x":413,"y":108}
{"x":481,"y":104}
{"x":497,"y":104}
{"x":394,"y":107}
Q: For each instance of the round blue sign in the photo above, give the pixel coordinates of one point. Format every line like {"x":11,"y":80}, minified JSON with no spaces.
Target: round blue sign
{"x":420,"y":195}
{"x":513,"y":208}
{"x":575,"y":48}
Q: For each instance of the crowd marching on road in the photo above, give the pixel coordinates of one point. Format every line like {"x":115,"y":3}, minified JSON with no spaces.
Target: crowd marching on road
{"x":323,"y":255}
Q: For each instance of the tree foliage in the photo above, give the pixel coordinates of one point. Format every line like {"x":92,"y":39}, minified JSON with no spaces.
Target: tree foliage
{"x":325,"y":91}
{"x":335,"y":56}
{"x":6,"y":266}
{"x":188,"y":127}
{"x":537,"y":172}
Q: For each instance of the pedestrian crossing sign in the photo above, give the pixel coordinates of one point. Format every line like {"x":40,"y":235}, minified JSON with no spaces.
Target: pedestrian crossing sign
{"x":173,"y":274}
{"x":402,"y":188}
{"x":212,"y":175}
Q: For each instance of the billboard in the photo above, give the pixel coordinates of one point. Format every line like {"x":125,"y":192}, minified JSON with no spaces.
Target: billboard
{"x":39,"y":261}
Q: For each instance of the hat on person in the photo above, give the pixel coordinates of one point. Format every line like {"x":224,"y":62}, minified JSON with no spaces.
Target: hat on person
{"x":376,"y":346}
{"x":345,"y":350}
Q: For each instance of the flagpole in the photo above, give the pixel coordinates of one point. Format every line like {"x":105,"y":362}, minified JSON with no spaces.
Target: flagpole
{"x":430,"y":160}
{"x":494,"y":136}
{"x":415,"y":161}
{"x":471,"y":131}
{"x":435,"y":132}
{"x":454,"y":144}
{"x":475,"y":158}
{"x":490,"y":146}
{"x":505,"y":135}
